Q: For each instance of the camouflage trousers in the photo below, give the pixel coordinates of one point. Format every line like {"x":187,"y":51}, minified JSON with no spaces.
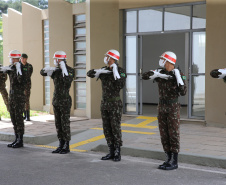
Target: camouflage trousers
{"x":27,"y":93}
{"x":112,"y":126}
{"x":62,"y":122}
{"x":5,"y":97}
{"x":16,"y":113}
{"x":169,"y":126}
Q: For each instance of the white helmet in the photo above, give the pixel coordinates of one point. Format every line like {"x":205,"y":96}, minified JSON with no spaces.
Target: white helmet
{"x":60,"y":55}
{"x":113,"y":54}
{"x":14,"y":54}
{"x":170,"y":57}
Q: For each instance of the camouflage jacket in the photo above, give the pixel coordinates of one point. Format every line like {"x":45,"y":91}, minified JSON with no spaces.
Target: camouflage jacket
{"x":28,"y":70}
{"x":17,"y":82}
{"x":3,"y":78}
{"x":111,"y":89}
{"x":61,"y":96}
{"x":168,"y":89}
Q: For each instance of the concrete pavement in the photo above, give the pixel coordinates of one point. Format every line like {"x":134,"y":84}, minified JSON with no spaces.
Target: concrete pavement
{"x":199,"y":144}
{"x":34,"y":166}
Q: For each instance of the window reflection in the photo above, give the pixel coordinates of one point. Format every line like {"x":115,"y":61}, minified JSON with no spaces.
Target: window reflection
{"x":131,"y":21}
{"x":150,"y":20}
{"x":177,"y":18}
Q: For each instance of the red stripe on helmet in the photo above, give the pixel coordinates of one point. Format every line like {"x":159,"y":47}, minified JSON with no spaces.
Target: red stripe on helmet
{"x":170,"y":58}
{"x":113,"y":55}
{"x":15,"y":55}
{"x":60,"y":56}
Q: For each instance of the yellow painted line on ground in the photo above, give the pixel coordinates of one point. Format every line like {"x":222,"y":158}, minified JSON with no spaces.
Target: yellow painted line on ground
{"x":144,"y":123}
{"x":87,"y":141}
{"x":53,"y":147}
{"x":146,"y":117}
{"x":137,"y":126}
{"x":130,"y":131}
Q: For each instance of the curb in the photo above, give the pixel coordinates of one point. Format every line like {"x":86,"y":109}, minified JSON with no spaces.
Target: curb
{"x":37,"y":140}
{"x":203,"y":160}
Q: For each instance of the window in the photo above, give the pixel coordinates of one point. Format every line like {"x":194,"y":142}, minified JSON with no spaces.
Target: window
{"x":46,"y":61}
{"x":80,"y":60}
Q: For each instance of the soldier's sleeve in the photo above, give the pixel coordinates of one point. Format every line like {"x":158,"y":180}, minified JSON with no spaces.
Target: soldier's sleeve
{"x":5,"y":75}
{"x":31,"y":71}
{"x":43,"y":73}
{"x":183,"y":88}
{"x":224,"y":79}
{"x":120,"y":83}
{"x":68,"y":79}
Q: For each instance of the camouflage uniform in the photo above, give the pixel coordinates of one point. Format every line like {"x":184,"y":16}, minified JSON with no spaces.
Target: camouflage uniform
{"x":62,"y":102}
{"x":169,"y":111}
{"x":28,"y":70}
{"x":17,"y":99}
{"x":3,"y":91}
{"x":111,"y":106}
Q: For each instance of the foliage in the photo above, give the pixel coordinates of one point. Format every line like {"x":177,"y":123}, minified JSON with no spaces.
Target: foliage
{"x":5,"y":114}
{"x":17,"y":4}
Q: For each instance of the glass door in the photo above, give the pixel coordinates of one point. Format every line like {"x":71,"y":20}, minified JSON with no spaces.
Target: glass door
{"x":197,"y":76}
{"x":132,"y":99}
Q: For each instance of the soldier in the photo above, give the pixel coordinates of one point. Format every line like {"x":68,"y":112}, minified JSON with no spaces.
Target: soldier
{"x":3,"y":91}
{"x":171,"y":83}
{"x":111,"y":104}
{"x":62,"y":76}
{"x":28,"y":70}
{"x":16,"y":96}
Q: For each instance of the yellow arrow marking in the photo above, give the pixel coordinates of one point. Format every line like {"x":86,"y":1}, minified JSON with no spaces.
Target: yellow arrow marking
{"x":87,"y":141}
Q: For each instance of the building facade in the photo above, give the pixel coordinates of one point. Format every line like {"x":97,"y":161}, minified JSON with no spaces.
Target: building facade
{"x":141,"y":31}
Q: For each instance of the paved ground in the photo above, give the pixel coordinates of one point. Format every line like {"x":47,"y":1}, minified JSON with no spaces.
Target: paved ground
{"x":199,"y":144}
{"x":34,"y":166}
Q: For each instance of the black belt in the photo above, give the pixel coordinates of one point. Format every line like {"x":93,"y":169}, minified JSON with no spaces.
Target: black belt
{"x":112,"y":99}
{"x":168,"y":102}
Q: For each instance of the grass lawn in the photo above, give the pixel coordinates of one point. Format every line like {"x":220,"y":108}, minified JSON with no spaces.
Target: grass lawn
{"x":5,"y":114}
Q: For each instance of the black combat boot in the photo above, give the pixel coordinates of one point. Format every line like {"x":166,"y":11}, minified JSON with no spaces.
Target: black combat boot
{"x":65,"y":148}
{"x":61,"y":145}
{"x":111,"y":153}
{"x":28,"y":115}
{"x":168,"y":159}
{"x":117,"y":155}
{"x":173,"y":163}
{"x":19,"y":142}
{"x":11,"y":144}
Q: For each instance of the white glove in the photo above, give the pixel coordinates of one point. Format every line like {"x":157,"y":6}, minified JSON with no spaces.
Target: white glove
{"x":115,"y":71}
{"x":49,"y":70}
{"x":157,"y":74}
{"x":178,"y":77}
{"x":6,"y":68}
{"x":100,"y":71}
{"x":223,"y":73}
{"x":18,"y":68}
{"x":63,"y":68}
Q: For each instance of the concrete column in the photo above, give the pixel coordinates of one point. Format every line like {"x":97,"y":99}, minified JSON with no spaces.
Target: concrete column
{"x":61,"y":36}
{"x":215,"y":59}
{"x":102,"y":34}
{"x":6,"y":50}
{"x":33,"y":47}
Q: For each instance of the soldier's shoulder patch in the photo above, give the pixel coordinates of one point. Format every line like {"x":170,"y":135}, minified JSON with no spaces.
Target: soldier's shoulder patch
{"x":184,"y":77}
{"x":70,"y":74}
{"x":123,"y":74}
{"x":24,"y":68}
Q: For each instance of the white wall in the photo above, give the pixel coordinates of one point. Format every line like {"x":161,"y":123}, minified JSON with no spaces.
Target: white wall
{"x":153,"y":47}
